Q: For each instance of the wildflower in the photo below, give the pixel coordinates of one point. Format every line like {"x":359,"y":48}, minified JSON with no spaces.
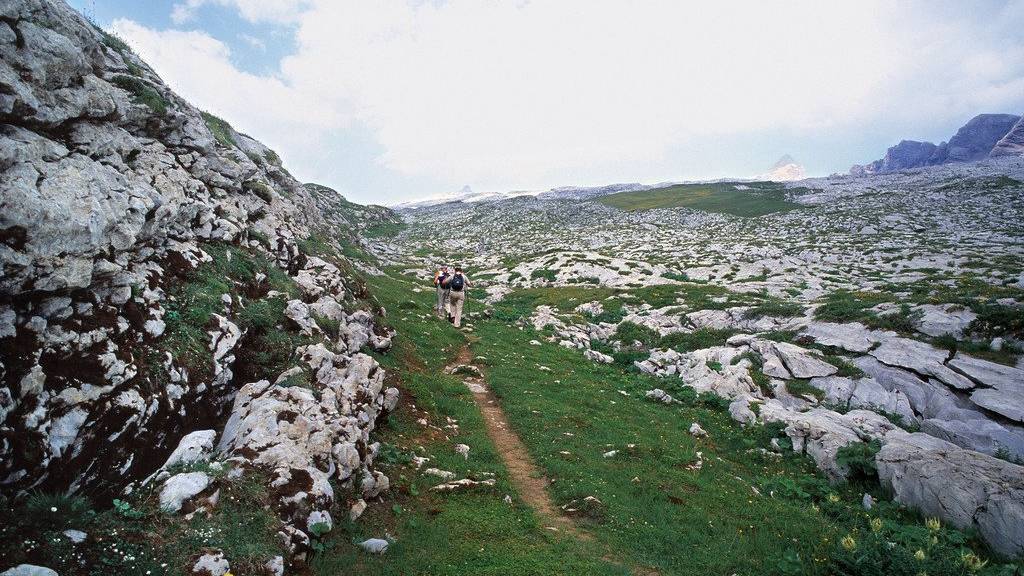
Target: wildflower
{"x":972,"y":562}
{"x":919,"y":555}
{"x":833,"y":498}
{"x":933,"y":524}
{"x":876,"y":524}
{"x":53,"y":508}
{"x":848,"y":542}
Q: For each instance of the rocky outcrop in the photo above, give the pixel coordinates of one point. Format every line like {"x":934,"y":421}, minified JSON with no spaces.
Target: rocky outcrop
{"x":906,"y":154}
{"x":965,"y":488}
{"x":121,"y":347}
{"x":1012,"y":144}
{"x":978,"y":139}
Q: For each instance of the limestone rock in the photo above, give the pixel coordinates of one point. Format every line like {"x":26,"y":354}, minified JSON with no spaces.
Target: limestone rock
{"x":211,"y":564}
{"x":29,"y":570}
{"x":180,"y":488}
{"x":1012,"y":144}
{"x":965,"y":488}
{"x":922,"y":358}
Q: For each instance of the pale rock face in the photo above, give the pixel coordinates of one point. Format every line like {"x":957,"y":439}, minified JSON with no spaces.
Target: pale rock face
{"x":1012,"y":144}
{"x":852,"y":337}
{"x":800,"y":362}
{"x":29,"y":570}
{"x":921,"y":358}
{"x":106,"y":207}
{"x":694,"y":368}
{"x":194,"y":447}
{"x":821,"y":432}
{"x":212,"y":564}
{"x":181,"y":487}
{"x":944,"y":320}
{"x":965,"y":488}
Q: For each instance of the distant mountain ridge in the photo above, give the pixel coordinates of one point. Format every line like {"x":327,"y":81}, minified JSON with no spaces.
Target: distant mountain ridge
{"x":983,"y":136}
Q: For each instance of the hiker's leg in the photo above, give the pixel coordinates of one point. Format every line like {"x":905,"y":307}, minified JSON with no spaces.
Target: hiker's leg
{"x":439,"y":307}
{"x":448,"y":302}
{"x":458,"y":298}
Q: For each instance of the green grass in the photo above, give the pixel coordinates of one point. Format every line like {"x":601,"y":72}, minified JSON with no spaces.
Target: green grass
{"x":142,"y":93}
{"x":385,"y":229}
{"x":724,"y":198}
{"x":657,"y":512}
{"x":196,"y":296}
{"x":473,"y":532}
{"x":221,"y":130}
{"x":849,"y":306}
{"x":137,"y":538}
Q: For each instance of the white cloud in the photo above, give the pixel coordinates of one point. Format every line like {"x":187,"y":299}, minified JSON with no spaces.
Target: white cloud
{"x":199,"y":68}
{"x":274,"y":11}
{"x":519,"y":95}
{"x":253,"y":41}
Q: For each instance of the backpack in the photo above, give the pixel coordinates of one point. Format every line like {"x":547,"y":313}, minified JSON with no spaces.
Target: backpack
{"x":441,"y":279}
{"x":457,"y":283}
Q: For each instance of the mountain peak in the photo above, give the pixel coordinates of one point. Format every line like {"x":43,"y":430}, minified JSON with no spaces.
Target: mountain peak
{"x":785,"y":169}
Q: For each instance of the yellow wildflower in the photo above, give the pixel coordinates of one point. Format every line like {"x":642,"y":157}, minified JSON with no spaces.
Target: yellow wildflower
{"x":848,"y":542}
{"x":919,"y":555}
{"x":833,"y":498}
{"x":876,"y":524}
{"x":933,"y":524}
{"x":972,"y":562}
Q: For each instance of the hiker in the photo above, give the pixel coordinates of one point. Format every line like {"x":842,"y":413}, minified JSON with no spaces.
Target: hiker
{"x":457,"y":284}
{"x":443,"y":308}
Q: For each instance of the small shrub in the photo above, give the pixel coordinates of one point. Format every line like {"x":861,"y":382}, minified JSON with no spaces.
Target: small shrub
{"x":262,"y":315}
{"x":629,"y":332}
{"x":272,"y":157}
{"x":846,"y":369}
{"x":260,"y":189}
{"x":801,"y":387}
{"x":330,"y":326}
{"x":545,"y":273}
{"x":775,"y":308}
{"x":126,"y":510}
{"x":222,"y":131}
{"x":847,"y":306}
{"x":142,"y":93}
{"x":57,"y":511}
{"x":713,"y":401}
{"x":859,"y":459}
{"x":696,"y":340}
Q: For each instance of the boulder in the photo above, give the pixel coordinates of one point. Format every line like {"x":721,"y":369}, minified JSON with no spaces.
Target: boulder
{"x":181,"y":487}
{"x":820,"y":432}
{"x":211,"y":564}
{"x":29,"y":570}
{"x":965,"y":488}
{"x":796,"y":361}
{"x":979,"y":434}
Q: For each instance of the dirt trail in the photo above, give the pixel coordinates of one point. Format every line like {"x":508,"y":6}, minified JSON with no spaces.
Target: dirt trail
{"x":530,"y":482}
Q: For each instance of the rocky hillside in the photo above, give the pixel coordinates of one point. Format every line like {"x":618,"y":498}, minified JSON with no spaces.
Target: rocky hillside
{"x":981,"y":137}
{"x":169,"y":292}
{"x":1012,"y":144}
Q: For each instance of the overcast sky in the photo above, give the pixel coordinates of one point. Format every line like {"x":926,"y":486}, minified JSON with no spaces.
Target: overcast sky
{"x":396,"y":100}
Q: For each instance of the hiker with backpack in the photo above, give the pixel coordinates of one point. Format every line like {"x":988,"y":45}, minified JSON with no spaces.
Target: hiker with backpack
{"x":443,"y":308}
{"x":457,"y":284}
